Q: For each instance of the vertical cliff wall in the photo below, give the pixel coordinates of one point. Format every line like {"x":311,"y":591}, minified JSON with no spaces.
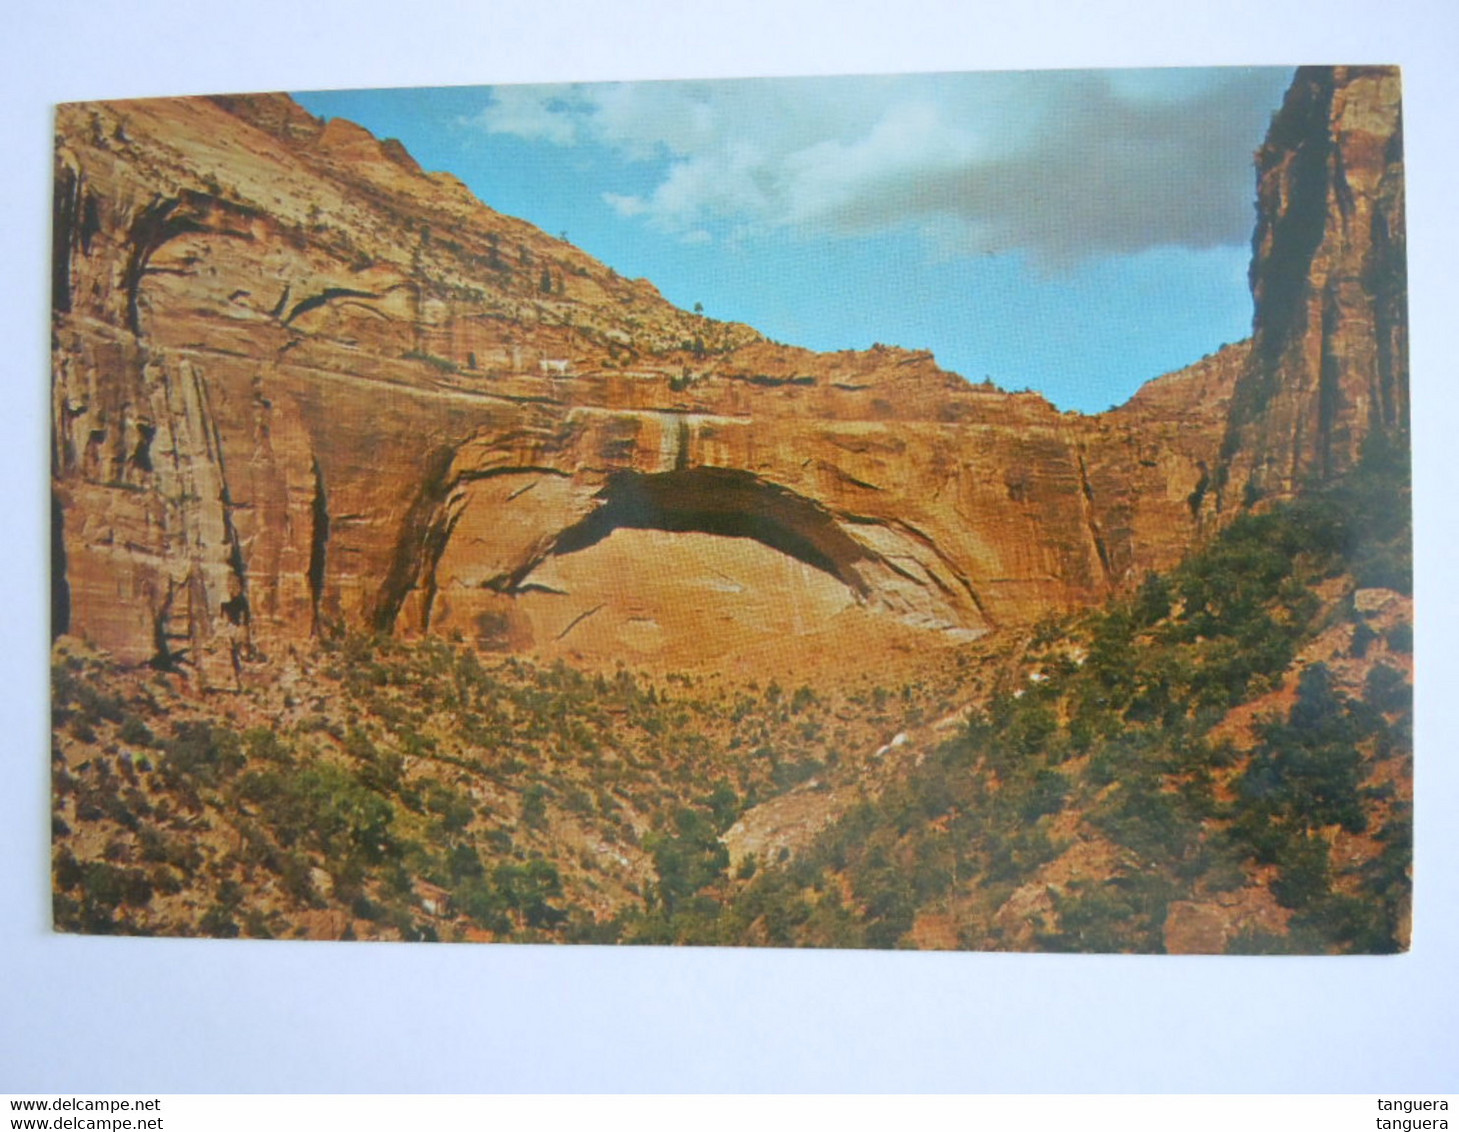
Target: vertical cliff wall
{"x":1329,"y":357}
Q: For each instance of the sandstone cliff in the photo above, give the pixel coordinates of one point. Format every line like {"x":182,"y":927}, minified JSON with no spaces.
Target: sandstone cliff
{"x":300,"y":383}
{"x":1329,"y":361}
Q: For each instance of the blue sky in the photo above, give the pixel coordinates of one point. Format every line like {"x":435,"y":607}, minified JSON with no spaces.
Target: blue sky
{"x":1074,"y":232}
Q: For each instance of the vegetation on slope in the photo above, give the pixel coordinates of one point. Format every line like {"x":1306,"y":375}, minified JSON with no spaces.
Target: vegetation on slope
{"x":406,"y":790}
{"x":1111,"y":784}
{"x":1230,"y":741}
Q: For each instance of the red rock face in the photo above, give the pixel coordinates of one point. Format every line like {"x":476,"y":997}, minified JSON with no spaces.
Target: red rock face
{"x":1329,"y":361}
{"x":299,"y":383}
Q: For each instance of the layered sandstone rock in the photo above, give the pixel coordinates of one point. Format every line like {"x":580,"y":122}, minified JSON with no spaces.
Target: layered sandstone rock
{"x":1329,"y":362}
{"x":300,"y":383}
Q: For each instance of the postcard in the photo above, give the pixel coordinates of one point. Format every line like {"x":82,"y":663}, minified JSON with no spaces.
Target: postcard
{"x":958,"y":511}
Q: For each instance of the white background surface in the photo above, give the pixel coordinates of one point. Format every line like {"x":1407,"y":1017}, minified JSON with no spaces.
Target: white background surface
{"x":135,"y":1015}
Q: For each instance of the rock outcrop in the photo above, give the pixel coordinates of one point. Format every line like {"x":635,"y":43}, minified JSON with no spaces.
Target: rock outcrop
{"x":300,"y":383}
{"x":1329,"y":357}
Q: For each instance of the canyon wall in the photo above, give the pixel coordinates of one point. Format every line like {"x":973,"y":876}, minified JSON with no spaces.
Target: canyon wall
{"x":1329,"y":358}
{"x":300,"y":384}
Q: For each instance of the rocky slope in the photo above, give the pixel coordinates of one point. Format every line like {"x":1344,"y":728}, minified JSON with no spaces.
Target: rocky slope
{"x":300,"y":383}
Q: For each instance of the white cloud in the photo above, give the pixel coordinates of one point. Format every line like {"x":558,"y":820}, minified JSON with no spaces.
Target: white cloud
{"x":530,"y":112}
{"x":1061,"y":165}
{"x":626,"y":205}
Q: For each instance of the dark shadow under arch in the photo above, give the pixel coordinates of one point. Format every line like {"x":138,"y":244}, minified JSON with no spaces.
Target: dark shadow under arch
{"x":716,"y":501}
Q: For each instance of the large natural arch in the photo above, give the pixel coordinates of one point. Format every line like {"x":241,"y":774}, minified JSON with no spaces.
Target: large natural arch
{"x":661,"y":565}
{"x":715,"y":501}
